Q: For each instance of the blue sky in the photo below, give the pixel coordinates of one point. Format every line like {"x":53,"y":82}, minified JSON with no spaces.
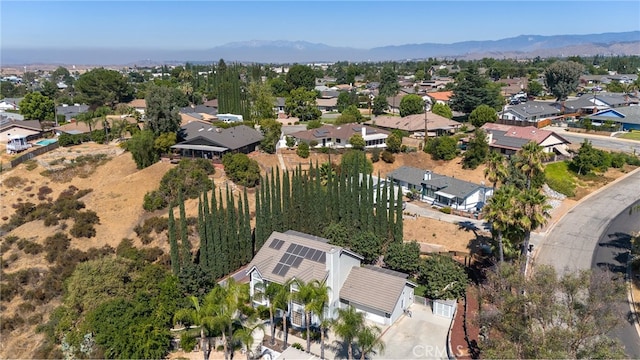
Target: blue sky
{"x":361,"y":24}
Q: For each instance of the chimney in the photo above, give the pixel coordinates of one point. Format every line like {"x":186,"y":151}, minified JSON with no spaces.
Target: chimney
{"x":427,"y":175}
{"x":364,"y":131}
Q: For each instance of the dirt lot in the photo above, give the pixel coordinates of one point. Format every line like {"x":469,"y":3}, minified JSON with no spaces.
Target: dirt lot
{"x":117,"y":196}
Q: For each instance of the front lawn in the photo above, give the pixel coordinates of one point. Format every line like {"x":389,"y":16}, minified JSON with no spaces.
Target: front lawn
{"x":560,"y":179}
{"x":634,"y":135}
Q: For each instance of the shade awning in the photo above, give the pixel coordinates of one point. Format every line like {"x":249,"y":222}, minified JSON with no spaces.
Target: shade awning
{"x":200,"y":147}
{"x":444,"y":194}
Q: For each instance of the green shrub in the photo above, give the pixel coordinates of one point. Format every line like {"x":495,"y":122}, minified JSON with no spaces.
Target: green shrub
{"x":187,"y":342}
{"x":56,"y":245}
{"x":388,"y":157}
{"x":241,"y":169}
{"x":375,"y":155}
{"x":446,"y":210}
{"x":153,"y":201}
{"x":297,"y":346}
{"x":303,"y":150}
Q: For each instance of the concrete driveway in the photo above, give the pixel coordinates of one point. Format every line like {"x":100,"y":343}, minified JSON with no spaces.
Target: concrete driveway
{"x":421,"y":336}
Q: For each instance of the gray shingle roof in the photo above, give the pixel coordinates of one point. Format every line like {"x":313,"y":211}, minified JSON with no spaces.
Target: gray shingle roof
{"x":500,"y":140}
{"x":374,"y":288}
{"x":6,"y":123}
{"x":236,"y":137}
{"x":408,"y":174}
{"x":530,"y":109}
{"x":631,"y":115}
{"x":72,"y":109}
{"x":269,"y":256}
{"x":449,"y":185}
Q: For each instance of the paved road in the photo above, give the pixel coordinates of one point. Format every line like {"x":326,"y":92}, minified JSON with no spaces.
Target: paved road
{"x":602,"y":142}
{"x":612,"y":254}
{"x":572,"y":244}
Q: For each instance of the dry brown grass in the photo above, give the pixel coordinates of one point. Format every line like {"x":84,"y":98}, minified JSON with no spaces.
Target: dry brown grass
{"x":117,"y":197}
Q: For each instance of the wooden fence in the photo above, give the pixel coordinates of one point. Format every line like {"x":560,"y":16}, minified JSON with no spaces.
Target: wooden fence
{"x":33,"y":153}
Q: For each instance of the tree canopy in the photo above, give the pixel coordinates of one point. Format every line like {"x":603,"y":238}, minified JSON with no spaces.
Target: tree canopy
{"x":162,"y":110}
{"x":301,"y":76}
{"x":483,"y":114}
{"x":562,"y":78}
{"x":411,"y":104}
{"x":443,"y":110}
{"x":389,"y":85}
{"x":100,"y":86}
{"x":36,"y":106}
{"x":302,"y":104}
{"x":472,"y":90}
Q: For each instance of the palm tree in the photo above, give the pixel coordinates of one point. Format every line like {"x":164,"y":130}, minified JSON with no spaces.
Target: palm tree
{"x":496,"y":170}
{"x":499,"y":212}
{"x":228,"y":299}
{"x":369,"y":341}
{"x":282,"y":301}
{"x":200,"y":316}
{"x":532,"y":212}
{"x":318,"y":304}
{"x":269,"y":292}
{"x":314,"y":295}
{"x":531,"y":156}
{"x":245,"y":335}
{"x":347,"y":326}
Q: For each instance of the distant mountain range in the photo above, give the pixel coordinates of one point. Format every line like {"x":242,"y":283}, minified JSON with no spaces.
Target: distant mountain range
{"x":261,"y":51}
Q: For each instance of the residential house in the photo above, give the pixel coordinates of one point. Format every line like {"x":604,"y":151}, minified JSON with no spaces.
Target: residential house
{"x":394,"y":103}
{"x":441,"y":190}
{"x":626,"y":118}
{"x":209,"y":142}
{"x":213,"y":103}
{"x":513,"y":86}
{"x":11,"y":116}
{"x":532,"y":113}
{"x":279,"y":105}
{"x":338,"y":136}
{"x":508,"y":139}
{"x":415,"y":124}
{"x":436,"y":83}
{"x":198,"y":112}
{"x":382,"y":295}
{"x":591,"y":103}
{"x":140,"y":105}
{"x":9,"y":128}
{"x":443,"y":70}
{"x":327,"y":104}
{"x":594,"y":80}
{"x":10,"y":104}
{"x":71,"y":111}
{"x":440,"y":97}
{"x":230,"y":118}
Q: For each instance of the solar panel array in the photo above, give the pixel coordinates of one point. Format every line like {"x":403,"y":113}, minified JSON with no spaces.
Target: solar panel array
{"x":294,"y":255}
{"x":276,"y":244}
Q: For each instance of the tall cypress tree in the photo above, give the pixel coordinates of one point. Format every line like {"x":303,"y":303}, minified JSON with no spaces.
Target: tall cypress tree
{"x":202,"y":234}
{"x":286,"y":201}
{"x":224,"y":237}
{"x":246,"y":231}
{"x":184,"y":234}
{"x":232,"y":230}
{"x":268,"y":210}
{"x":173,"y":244}
{"x":398,"y":226}
{"x":259,"y":231}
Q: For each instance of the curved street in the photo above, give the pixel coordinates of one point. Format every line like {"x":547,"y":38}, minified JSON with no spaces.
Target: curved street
{"x":584,"y":238}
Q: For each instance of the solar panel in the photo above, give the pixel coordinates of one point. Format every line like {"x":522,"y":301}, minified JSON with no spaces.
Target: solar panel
{"x":296,"y":249}
{"x":304,"y":251}
{"x":310,"y":254}
{"x":323,"y":257}
{"x":317,"y":255}
{"x":296,"y":262}
{"x":290,"y":260}
{"x":283,"y":270}
{"x":291,"y":246}
{"x":285,"y":257}
{"x":277,"y":269}
{"x":276,"y":244}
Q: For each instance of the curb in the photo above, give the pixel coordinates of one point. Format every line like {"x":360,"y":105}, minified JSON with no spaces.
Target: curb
{"x":552,"y":226}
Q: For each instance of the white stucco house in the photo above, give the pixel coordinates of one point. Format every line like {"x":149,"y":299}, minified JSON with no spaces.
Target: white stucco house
{"x":441,"y":190}
{"x":380,"y":293}
{"x":338,"y":136}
